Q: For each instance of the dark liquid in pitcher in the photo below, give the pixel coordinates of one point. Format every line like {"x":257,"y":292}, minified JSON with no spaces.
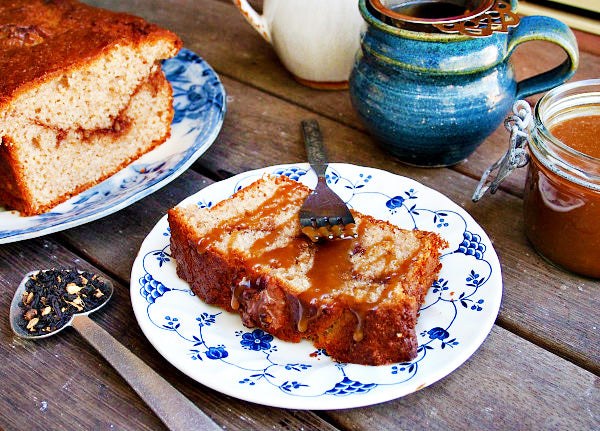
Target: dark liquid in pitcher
{"x":430,"y":9}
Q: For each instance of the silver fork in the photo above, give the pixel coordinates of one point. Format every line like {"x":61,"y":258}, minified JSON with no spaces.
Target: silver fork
{"x":324,"y":215}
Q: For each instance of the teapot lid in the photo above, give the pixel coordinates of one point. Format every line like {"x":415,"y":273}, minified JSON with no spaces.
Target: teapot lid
{"x":476,"y":18}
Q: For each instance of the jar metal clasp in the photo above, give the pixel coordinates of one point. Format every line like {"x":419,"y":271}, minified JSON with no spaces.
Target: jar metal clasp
{"x":516,"y":157}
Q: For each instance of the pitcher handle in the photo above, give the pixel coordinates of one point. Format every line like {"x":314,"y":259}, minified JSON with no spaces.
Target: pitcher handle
{"x":256,"y":20}
{"x":551,"y":30}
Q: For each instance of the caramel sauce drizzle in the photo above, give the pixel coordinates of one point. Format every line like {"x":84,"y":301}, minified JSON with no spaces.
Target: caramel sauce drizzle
{"x":332,"y":267}
{"x":253,"y":220}
{"x":330,"y":232}
{"x":236,"y":292}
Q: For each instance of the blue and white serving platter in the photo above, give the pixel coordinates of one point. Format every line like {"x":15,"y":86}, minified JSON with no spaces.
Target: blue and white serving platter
{"x":214,"y":348}
{"x":199,"y":102}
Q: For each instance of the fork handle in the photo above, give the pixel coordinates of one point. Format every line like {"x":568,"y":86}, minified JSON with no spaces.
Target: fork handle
{"x":315,"y":151}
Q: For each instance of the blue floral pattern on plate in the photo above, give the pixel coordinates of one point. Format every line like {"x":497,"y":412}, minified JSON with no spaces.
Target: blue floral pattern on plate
{"x":213,"y":347}
{"x":199,"y":104}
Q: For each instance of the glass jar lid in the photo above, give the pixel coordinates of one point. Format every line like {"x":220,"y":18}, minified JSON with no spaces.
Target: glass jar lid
{"x":568,"y":101}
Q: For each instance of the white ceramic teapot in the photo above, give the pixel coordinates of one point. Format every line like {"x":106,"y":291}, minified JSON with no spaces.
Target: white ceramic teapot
{"x":316,"y":40}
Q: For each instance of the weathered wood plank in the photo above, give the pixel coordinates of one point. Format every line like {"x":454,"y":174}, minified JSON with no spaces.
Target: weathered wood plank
{"x":60,"y":380}
{"x":587,"y":42}
{"x":511,"y":390}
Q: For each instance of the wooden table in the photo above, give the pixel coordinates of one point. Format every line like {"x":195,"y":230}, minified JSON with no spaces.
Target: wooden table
{"x":538,"y":369}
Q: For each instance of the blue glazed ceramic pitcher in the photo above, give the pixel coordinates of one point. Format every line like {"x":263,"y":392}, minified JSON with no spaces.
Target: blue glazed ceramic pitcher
{"x":431,"y":90}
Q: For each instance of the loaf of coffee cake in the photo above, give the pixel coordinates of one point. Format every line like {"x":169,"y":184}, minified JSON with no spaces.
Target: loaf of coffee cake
{"x":81,"y":96}
{"x":356,"y":298}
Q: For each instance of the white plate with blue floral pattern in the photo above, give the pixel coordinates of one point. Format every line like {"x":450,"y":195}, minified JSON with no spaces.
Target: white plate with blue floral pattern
{"x":199,"y":103}
{"x":214,"y":348}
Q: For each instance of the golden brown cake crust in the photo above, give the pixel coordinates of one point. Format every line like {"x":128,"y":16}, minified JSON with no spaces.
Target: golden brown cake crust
{"x":40,"y":39}
{"x":11,"y":187}
{"x":387,"y":331}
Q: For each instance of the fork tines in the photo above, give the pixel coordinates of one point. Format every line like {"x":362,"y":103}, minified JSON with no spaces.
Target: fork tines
{"x":320,"y":228}
{"x":324,"y":215}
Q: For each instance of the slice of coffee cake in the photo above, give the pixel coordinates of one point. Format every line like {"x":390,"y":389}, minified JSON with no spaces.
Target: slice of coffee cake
{"x":356,"y":298}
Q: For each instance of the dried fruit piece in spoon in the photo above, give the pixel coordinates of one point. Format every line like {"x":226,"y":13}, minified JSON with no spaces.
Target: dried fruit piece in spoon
{"x":52,"y":296}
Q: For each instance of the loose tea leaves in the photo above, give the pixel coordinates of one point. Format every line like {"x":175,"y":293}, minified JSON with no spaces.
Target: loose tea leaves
{"x":52,"y":296}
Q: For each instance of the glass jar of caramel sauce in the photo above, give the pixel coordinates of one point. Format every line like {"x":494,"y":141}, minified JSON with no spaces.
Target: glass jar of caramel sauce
{"x":562,"y":191}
